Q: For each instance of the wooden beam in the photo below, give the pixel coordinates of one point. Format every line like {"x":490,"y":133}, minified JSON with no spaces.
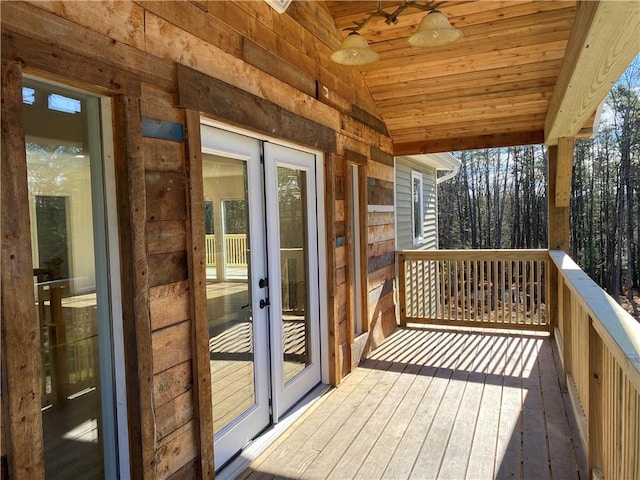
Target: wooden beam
{"x":470,"y":143}
{"x":132,"y":212}
{"x":21,"y":374}
{"x":332,"y":312}
{"x":355,"y":157}
{"x":72,"y":67}
{"x":558,"y":217}
{"x":200,"y":92}
{"x":564,"y":170}
{"x":197,"y":275}
{"x":604,"y":40}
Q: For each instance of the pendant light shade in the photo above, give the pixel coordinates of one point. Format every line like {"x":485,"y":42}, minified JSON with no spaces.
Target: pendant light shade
{"x":354,"y":50}
{"x":434,"y":30}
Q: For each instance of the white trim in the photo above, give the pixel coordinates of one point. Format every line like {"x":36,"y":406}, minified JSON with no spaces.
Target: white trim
{"x":357,"y":321}
{"x":279,"y":6}
{"x":322,"y":269}
{"x":259,"y":136}
{"x":286,"y":393}
{"x":415,"y":175}
{"x":380,"y":209}
{"x":117,"y":330}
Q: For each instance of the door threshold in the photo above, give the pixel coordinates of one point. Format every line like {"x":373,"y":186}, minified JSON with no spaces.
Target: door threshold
{"x":258,"y":445}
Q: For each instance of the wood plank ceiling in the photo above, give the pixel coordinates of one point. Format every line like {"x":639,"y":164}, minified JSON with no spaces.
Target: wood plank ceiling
{"x":491,"y":87}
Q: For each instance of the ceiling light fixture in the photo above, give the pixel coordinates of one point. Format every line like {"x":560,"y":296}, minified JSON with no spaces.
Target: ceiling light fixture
{"x":434,"y":31}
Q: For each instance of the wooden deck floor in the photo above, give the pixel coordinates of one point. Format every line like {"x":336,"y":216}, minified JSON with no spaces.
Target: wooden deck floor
{"x":433,"y":403}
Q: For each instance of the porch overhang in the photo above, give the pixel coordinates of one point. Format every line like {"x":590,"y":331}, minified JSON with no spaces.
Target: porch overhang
{"x":524,"y":72}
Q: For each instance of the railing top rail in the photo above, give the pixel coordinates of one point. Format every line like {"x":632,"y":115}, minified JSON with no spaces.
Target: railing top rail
{"x":479,"y":254}
{"x":619,"y":330}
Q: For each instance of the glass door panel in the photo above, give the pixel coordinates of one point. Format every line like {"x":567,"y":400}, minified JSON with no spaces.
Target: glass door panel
{"x":71,"y":280}
{"x":292,"y":194}
{"x":228,"y":291}
{"x":291,"y":209}
{"x":235,"y":264}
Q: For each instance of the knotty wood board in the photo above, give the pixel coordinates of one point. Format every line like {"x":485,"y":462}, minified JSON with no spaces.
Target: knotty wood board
{"x":365,"y":435}
{"x":124,"y":24}
{"x":175,"y":450}
{"x":171,"y":346}
{"x":167,"y":268}
{"x":166,"y":196}
{"x":174,"y":414}
{"x":196,"y":261}
{"x":20,"y":328}
{"x":131,"y":194}
{"x":166,"y":236}
{"x":171,"y":383}
{"x":31,"y":21}
{"x":169,"y":304}
{"x":214,"y":97}
{"x":163,"y":155}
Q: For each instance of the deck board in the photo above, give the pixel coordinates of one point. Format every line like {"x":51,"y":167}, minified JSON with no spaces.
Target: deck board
{"x":436,"y":403}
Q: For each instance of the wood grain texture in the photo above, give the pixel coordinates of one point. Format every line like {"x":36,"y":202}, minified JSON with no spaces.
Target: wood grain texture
{"x":596,"y":51}
{"x":68,"y":65}
{"x":131,"y":201}
{"x":166,"y":236}
{"x":330,"y":162}
{"x":564,"y":171}
{"x":21,"y":379}
{"x":213,"y":97}
{"x":169,"y":304}
{"x":424,"y":405}
{"x":268,"y":62}
{"x":33,"y":22}
{"x":196,"y":261}
{"x":167,"y":268}
{"x":166,"y":196}
{"x":175,"y":451}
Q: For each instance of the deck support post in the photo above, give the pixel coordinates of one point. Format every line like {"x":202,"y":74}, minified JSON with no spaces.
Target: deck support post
{"x":559,"y":167}
{"x":596,"y":404}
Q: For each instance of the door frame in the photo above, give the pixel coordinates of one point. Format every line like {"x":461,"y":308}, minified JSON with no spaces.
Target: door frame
{"x":250,"y":422}
{"x":286,"y":393}
{"x":323,"y":298}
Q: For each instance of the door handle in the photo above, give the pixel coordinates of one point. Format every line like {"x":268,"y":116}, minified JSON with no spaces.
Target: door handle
{"x":263,"y":283}
{"x":264,"y":302}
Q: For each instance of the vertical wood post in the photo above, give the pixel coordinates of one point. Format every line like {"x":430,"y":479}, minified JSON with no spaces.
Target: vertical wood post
{"x":131,"y":199}
{"x":363,"y":213}
{"x":567,"y":323}
{"x":21,"y":374}
{"x":332,"y":311}
{"x":402,"y":289}
{"x":560,"y":161}
{"x":596,"y":402}
{"x":197,"y":273}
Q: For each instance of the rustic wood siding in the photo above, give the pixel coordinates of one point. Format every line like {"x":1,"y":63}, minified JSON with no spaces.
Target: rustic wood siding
{"x":381,"y":257}
{"x":404,"y":233}
{"x":276,"y":62}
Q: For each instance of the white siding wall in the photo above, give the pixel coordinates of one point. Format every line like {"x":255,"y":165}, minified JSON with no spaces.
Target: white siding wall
{"x":404,"y":231}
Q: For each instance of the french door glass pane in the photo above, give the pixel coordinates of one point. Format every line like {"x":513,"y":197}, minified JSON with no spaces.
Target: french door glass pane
{"x":63,"y":161}
{"x":228,"y":288}
{"x":292,"y":195}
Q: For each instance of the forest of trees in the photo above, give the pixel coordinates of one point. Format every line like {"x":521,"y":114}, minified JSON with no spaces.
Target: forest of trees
{"x":498,"y":199}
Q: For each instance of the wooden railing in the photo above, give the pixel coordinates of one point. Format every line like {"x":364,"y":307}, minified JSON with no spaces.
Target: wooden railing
{"x":235,"y":250}
{"x":210,"y":249}
{"x":497,"y":288}
{"x":69,"y":344}
{"x":600,"y":350}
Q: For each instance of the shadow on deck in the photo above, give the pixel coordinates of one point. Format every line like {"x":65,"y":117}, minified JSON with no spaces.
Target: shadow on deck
{"x":437,"y":403}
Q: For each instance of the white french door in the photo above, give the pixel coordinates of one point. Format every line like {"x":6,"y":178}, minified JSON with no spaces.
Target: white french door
{"x":293,"y":262}
{"x":262,"y":282}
